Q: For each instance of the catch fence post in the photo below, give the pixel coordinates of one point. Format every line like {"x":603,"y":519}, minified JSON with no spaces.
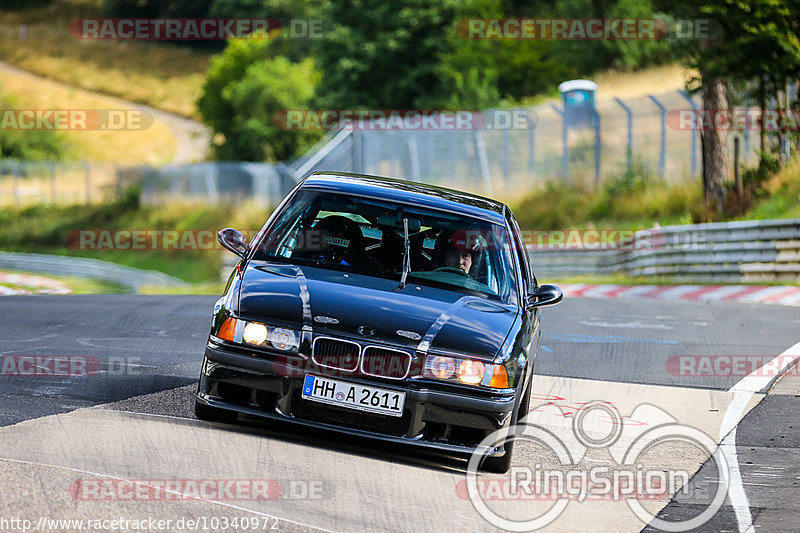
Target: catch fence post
{"x":662,"y":160}
{"x":597,"y":146}
{"x":629,"y":113}
{"x":694,"y":130}
{"x":564,"y":141}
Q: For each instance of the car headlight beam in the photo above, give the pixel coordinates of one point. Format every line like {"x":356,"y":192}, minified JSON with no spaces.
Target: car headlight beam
{"x":466,"y":371}
{"x":255,"y":333}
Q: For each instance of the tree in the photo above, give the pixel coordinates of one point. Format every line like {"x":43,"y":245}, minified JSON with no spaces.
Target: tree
{"x":382,"y":54}
{"x":753,"y":44}
{"x":714,"y":143}
{"x":244,"y":89}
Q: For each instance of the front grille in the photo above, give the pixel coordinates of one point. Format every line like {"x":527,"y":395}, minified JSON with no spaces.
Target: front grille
{"x":319,"y":412}
{"x":385,"y":362}
{"x":334,"y":353}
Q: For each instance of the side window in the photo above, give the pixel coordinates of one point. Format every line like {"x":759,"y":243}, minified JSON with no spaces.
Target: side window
{"x":521,"y":251}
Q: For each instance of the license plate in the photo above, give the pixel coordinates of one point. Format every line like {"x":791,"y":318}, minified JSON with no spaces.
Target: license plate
{"x":353,"y":396}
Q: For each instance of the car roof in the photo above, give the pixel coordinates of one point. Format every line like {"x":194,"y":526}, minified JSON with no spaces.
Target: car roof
{"x":409,"y":192}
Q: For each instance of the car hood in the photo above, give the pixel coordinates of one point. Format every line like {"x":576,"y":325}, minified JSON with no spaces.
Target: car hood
{"x":371,"y":310}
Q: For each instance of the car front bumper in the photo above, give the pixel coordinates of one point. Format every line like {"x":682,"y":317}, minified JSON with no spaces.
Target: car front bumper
{"x":433,"y":418}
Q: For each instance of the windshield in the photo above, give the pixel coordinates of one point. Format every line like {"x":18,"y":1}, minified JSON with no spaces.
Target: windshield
{"x":366,"y":236}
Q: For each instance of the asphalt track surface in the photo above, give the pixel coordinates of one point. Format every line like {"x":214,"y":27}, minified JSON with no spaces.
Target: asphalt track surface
{"x":132,"y":419}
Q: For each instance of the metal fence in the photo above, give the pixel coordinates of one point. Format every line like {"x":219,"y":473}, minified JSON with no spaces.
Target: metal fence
{"x":745,"y":251}
{"x":500,"y":161}
{"x":28,"y":182}
{"x":493,"y":160}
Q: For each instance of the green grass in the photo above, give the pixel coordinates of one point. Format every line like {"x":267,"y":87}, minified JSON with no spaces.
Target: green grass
{"x":559,"y":206}
{"x":211,"y":287}
{"x":782,"y":195}
{"x":638,"y":201}
{"x":46,"y":229}
{"x":162,"y":75}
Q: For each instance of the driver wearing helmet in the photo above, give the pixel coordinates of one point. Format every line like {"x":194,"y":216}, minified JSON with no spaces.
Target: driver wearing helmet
{"x":459,"y":250}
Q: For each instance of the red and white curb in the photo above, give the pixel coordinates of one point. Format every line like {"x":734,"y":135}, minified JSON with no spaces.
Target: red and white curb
{"x":29,"y":284}
{"x":779,"y":294}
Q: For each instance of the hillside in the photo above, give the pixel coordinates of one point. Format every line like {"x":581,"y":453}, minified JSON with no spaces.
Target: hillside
{"x":157,"y":74}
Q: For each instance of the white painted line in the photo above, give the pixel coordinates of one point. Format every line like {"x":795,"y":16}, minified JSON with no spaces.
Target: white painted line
{"x":238,"y":508}
{"x":744,"y":391}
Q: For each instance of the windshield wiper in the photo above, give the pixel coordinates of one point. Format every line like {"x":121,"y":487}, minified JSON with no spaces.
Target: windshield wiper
{"x":406,"y":256}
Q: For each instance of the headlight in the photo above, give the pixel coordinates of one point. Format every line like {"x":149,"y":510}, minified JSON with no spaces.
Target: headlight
{"x":470,"y":372}
{"x":283,"y":339}
{"x":257,"y":334}
{"x":442,"y":367}
{"x":466,"y":371}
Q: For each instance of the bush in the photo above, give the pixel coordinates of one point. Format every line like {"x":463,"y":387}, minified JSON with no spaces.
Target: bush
{"x":244,"y":89}
{"x":34,"y":145}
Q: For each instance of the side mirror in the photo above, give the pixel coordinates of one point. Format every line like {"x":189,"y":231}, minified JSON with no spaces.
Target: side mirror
{"x":233,"y":241}
{"x":545,"y":295}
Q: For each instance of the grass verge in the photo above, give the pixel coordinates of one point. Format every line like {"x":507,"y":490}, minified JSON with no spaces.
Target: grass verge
{"x":153,"y":146}
{"x":639,"y":200}
{"x":162,"y":75}
{"x":56,"y":230}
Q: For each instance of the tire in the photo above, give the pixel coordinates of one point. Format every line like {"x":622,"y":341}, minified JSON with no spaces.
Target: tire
{"x":214,"y":414}
{"x":500,"y":465}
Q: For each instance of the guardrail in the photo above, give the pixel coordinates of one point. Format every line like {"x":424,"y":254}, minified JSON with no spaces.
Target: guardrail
{"x":746,"y":251}
{"x":131,"y":278}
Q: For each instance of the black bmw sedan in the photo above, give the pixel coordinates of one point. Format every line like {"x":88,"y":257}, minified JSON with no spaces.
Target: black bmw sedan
{"x":380,"y":308}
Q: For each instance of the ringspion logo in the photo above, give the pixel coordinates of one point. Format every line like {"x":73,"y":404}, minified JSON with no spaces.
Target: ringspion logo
{"x":559,"y":474}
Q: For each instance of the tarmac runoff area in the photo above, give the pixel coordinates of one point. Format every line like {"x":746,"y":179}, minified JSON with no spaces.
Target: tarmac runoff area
{"x":73,"y":447}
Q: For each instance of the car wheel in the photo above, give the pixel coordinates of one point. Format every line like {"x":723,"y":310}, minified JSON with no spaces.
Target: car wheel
{"x":214,"y":414}
{"x":500,"y":465}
